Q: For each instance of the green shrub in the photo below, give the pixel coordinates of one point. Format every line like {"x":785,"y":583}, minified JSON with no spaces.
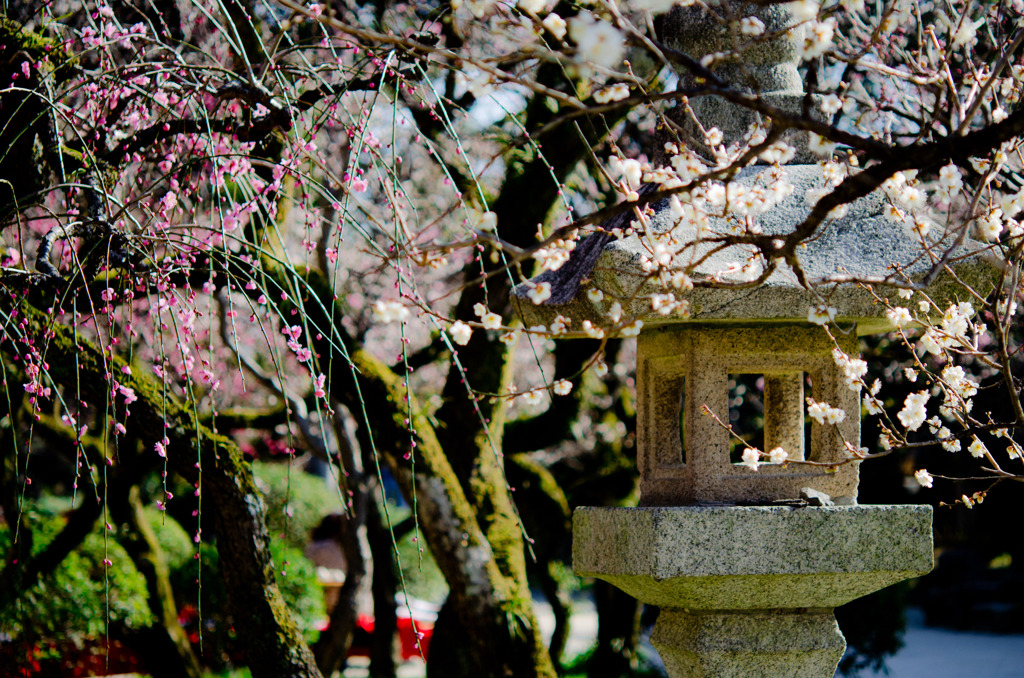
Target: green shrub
{"x":198,"y":587}
{"x":296,"y":501}
{"x":177,"y":546}
{"x":82,"y":594}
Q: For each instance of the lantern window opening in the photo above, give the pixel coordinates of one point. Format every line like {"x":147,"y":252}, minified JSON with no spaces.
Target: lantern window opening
{"x":746,"y":414}
{"x":768,"y":410}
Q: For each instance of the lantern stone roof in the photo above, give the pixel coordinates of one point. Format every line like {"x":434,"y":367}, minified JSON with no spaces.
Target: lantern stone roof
{"x":863,"y":245}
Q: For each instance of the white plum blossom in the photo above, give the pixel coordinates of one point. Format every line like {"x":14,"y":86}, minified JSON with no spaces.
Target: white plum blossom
{"x":991,"y":225}
{"x":616,"y":92}
{"x":555,"y":24}
{"x":1014,"y":451}
{"x":821,"y":314}
{"x":831,"y":104}
{"x":853,"y":368}
{"x":632,"y":329}
{"x":913,"y":198}
{"x":817,"y":39}
{"x":632,"y":172}
{"x":933,"y":341}
{"x":532,"y":397}
{"x":821,"y":146}
{"x":804,"y":10}
{"x":956,"y":319}
{"x":592,"y":331}
{"x":957,"y":380}
{"x":923,"y":478}
{"x":824,"y":413}
{"x":913,"y":413}
{"x":389,"y":311}
{"x":949,"y":443}
{"x":1011,"y":204}
{"x":751,"y":25}
{"x":597,"y":41}
{"x":562,"y":387}
{"x":1006,"y":308}
{"x":966,"y":33}
{"x":535,"y":6}
{"x":899,"y":316}
{"x":460,"y":332}
{"x":751,"y":458}
{"x":950,"y":179}
{"x":539,"y":292}
{"x":488,"y":222}
{"x":778,"y":456}
{"x":977,"y":448}
{"x":779,"y":153}
{"x":595,"y":295}
{"x":480,"y":7}
{"x":491,"y":321}
{"x":551,"y":258}
{"x":664,"y":304}
{"x":872,"y":405}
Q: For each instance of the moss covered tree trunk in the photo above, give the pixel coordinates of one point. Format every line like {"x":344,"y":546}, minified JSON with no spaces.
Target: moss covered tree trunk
{"x":273,"y":646}
{"x":164,"y":646}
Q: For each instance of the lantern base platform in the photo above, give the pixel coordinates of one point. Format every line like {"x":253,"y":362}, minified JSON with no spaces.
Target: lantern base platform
{"x":777,"y":643}
{"x":744,"y":588}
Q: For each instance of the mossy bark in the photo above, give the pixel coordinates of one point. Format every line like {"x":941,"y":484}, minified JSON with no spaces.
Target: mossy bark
{"x":466,"y":514}
{"x":273,"y":645}
{"x":383,"y":663}
{"x":334,"y":643}
{"x":164,"y":646}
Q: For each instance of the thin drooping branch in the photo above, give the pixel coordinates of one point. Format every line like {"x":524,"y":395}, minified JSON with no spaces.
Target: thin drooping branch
{"x":214,"y":465}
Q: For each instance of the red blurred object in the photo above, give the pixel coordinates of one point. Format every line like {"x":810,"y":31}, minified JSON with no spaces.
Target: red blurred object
{"x":68,"y":659}
{"x":414,"y":633}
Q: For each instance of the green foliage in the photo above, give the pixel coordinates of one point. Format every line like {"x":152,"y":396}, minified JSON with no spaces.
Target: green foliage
{"x":296,"y":501}
{"x":580,"y":667}
{"x":421,"y":576}
{"x":81,"y":595}
{"x":176,"y":544}
{"x":296,"y":577}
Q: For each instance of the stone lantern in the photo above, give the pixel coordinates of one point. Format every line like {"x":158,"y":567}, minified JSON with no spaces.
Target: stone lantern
{"x":748,"y":564}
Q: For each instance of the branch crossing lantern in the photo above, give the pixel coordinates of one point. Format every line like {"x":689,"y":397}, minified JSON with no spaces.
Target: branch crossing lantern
{"x":747,"y":560}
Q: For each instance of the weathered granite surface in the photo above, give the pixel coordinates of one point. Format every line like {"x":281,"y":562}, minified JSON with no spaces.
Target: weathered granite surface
{"x":768,"y":644}
{"x":864,"y":244}
{"x":684,"y":368}
{"x":768,"y":67}
{"x":752,"y":557}
{"x":748,"y":592}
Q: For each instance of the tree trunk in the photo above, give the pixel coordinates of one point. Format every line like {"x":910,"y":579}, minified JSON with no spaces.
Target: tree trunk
{"x":385,"y":588}
{"x":164,"y":646}
{"x":214,"y":465}
{"x":618,"y":626}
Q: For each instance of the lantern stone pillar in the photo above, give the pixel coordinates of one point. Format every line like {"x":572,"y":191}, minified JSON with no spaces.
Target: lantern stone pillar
{"x":749,"y":591}
{"x":747,"y":565}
